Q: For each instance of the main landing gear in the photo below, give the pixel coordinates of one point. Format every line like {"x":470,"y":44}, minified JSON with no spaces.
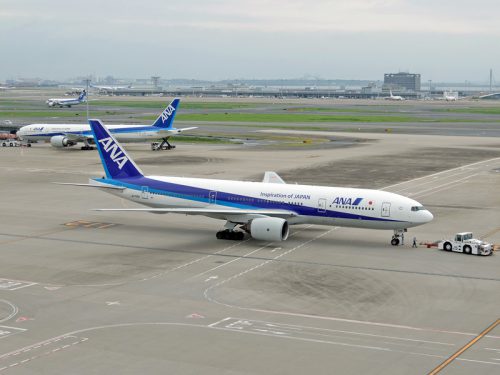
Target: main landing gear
{"x":229,"y":233}
{"x":398,"y":238}
{"x":87,"y":145}
{"x":164,"y":145}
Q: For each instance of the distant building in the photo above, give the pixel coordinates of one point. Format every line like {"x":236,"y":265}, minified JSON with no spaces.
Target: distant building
{"x":408,"y":81}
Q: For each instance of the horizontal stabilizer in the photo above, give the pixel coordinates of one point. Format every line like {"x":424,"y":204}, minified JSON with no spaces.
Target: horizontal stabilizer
{"x":174,"y":131}
{"x":271,"y":177}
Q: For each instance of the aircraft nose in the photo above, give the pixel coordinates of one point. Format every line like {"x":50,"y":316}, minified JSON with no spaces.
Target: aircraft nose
{"x":427,"y":216}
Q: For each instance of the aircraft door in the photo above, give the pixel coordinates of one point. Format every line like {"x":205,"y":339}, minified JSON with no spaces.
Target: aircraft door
{"x":212,"y":197}
{"x":322,"y":205}
{"x":145,"y":192}
{"x":386,"y":209}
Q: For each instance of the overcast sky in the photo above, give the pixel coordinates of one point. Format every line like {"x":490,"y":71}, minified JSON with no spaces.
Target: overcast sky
{"x":444,"y":40}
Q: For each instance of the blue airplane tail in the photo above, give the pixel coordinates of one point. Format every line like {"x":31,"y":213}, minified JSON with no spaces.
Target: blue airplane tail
{"x":166,"y":118}
{"x":115,"y":160}
{"x":82,"y":95}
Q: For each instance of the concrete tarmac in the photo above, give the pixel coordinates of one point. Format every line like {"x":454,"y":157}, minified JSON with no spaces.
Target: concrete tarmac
{"x":87,"y":292}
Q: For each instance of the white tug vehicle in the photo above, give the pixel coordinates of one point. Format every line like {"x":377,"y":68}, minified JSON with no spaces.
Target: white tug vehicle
{"x":465,"y":243}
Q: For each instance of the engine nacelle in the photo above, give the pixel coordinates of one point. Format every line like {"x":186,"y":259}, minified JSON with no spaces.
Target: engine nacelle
{"x":269,"y":229}
{"x":61,"y":141}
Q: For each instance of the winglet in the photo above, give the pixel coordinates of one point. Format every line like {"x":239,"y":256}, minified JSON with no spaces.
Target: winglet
{"x":114,"y":158}
{"x":166,"y":118}
{"x":272,"y":178}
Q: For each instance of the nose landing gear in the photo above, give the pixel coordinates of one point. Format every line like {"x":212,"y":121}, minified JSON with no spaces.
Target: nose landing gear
{"x":398,"y":238}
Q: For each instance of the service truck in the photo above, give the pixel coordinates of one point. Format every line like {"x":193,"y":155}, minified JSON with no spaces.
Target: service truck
{"x":465,"y":243}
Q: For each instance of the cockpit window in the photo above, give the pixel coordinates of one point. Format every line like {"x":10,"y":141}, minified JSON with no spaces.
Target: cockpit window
{"x":418,"y":208}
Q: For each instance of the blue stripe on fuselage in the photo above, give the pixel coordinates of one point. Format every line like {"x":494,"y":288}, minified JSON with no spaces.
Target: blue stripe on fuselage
{"x":228,"y":199}
{"x":88,"y":133}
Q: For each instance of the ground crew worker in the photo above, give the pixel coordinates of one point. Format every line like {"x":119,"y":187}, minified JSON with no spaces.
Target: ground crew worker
{"x":414,"y":242}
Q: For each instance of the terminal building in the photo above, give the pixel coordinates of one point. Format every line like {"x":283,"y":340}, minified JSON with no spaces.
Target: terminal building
{"x":406,"y":81}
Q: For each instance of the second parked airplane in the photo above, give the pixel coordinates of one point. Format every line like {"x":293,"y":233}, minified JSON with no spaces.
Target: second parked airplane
{"x":66,"y":135}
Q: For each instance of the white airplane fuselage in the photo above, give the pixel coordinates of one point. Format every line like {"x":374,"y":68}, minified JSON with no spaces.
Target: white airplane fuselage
{"x":124,"y":133}
{"x":348,"y":207}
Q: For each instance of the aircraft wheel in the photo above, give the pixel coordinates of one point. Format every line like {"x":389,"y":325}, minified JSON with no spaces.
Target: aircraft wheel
{"x":395,"y":242}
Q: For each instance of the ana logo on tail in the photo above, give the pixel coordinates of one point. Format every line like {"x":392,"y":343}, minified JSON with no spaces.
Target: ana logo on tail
{"x":114,"y":152}
{"x":166,"y":113}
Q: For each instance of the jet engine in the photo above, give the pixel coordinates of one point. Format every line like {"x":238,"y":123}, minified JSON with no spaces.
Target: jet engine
{"x":61,"y":141}
{"x":269,"y":229}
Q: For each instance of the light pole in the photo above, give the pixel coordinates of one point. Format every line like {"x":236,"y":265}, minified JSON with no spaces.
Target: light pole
{"x":87,"y":82}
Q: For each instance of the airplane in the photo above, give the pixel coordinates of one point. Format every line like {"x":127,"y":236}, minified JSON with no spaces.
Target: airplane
{"x":394,"y":97}
{"x":110,"y":88}
{"x":65,"y":102}
{"x":450,"y":96}
{"x":264,"y":210}
{"x":67,"y":135}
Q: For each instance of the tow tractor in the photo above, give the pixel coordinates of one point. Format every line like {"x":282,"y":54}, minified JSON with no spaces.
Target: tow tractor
{"x":465,"y":243}
{"x":10,"y":143}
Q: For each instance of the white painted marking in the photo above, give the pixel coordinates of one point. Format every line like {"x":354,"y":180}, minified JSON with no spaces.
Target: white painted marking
{"x":113,"y":303}
{"x":215,"y":277}
{"x":14,"y":312}
{"x":440,"y":173}
{"x":9,"y":284}
{"x":219,"y":322}
{"x":476,"y":361}
{"x":9,"y":331}
{"x":51,"y":288}
{"x":194,"y":261}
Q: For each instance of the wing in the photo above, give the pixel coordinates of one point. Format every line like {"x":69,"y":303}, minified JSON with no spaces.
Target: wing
{"x":236,"y":216}
{"x":102,"y":186}
{"x":77,"y":137}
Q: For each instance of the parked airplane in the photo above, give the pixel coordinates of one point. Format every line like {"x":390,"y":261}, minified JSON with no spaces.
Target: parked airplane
{"x":450,"y":96}
{"x":67,"y":102}
{"x":394,"y":97}
{"x":264,"y":209}
{"x":110,"y":88}
{"x":66,"y":135}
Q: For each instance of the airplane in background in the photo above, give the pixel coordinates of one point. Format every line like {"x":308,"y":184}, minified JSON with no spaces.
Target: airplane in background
{"x":105,"y":89}
{"x":65,"y":102}
{"x":67,"y":135}
{"x":264,"y":210}
{"x":450,"y":96}
{"x":394,"y":97}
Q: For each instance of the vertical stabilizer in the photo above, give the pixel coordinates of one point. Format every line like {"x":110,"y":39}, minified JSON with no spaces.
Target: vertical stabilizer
{"x":114,"y":158}
{"x":166,"y":118}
